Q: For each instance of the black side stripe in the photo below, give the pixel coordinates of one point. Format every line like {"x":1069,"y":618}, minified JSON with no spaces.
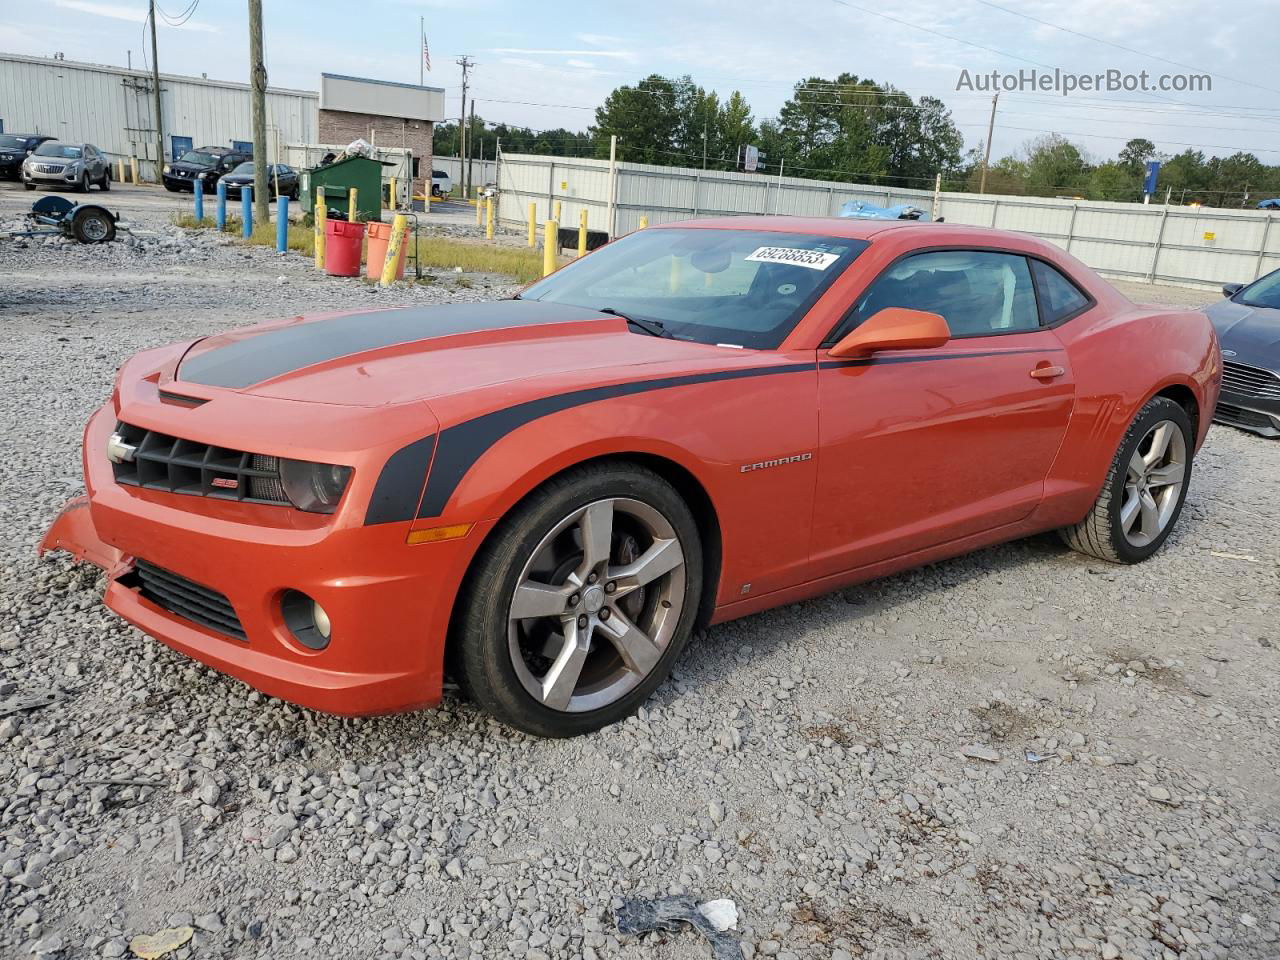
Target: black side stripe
{"x":400,"y":483}
{"x":462,"y":445}
{"x":459,"y":447}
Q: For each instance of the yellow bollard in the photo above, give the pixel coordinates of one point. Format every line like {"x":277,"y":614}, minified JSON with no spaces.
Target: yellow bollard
{"x":644,"y":222}
{"x":488,"y":219}
{"x":674,"y":281}
{"x":550,"y":243}
{"x":133,"y":170}
{"x":395,"y":205}
{"x":399,"y":227}
{"x":120,"y":169}
{"x":556,"y":214}
{"x":582,"y":233}
{"x":322,"y":215}
{"x":479,"y":209}
{"x":533,"y":224}
{"x":353,"y":212}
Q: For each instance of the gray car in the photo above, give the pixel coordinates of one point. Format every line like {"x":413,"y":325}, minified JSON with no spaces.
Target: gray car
{"x":73,"y":165}
{"x":1248,"y":324}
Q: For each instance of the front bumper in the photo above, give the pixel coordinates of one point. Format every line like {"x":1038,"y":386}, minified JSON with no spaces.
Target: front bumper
{"x":1257,"y":415}
{"x":188,"y":183}
{"x":65,"y":176}
{"x":389,"y":603}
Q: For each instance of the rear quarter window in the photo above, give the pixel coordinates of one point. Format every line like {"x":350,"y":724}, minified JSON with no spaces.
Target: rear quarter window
{"x":1059,"y":297}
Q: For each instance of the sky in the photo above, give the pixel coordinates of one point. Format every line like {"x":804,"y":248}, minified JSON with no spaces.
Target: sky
{"x":549,"y":64}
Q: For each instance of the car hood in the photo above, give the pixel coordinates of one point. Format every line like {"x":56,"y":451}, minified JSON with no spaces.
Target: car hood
{"x":193,"y":167}
{"x":417,"y":353}
{"x":1252,"y":332}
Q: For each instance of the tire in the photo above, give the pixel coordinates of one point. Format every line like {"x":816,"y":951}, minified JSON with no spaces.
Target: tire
{"x":83,"y":185}
{"x":28,"y":184}
{"x":105,"y":185}
{"x":1136,"y":510}
{"x":93,"y":225}
{"x":501,"y":658}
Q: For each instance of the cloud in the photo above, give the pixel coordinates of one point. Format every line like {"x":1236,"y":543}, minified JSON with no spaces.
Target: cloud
{"x":581,"y":64}
{"x":598,"y":39}
{"x":116,"y":12}
{"x":523,"y":51}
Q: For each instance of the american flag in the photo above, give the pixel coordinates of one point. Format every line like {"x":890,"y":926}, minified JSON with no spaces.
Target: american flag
{"x":426,"y":53}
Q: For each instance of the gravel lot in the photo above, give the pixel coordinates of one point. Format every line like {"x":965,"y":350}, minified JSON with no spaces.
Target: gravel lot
{"x":1118,"y":800}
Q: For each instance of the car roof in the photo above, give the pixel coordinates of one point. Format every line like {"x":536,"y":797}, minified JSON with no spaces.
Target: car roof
{"x":923,"y":231}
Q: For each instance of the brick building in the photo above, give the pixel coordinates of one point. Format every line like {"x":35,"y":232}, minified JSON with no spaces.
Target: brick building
{"x":384,"y":113}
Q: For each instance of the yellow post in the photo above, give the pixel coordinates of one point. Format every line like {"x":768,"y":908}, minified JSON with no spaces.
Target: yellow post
{"x":644,"y":222}
{"x":399,"y":227}
{"x":321,"y":216}
{"x":133,"y":170}
{"x":120,"y":169}
{"x":556,"y":215}
{"x":550,"y":241}
{"x":488,"y":219}
{"x":674,"y":281}
{"x":533,"y":224}
{"x":479,"y":209}
{"x":582,"y":233}
{"x":353,"y":212}
{"x":392,"y":195}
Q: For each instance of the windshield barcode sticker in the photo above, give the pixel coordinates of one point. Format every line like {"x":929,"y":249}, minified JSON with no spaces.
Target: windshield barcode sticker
{"x":796,"y":257}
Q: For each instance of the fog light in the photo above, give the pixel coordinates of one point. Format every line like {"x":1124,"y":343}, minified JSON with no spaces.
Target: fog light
{"x":306,"y":619}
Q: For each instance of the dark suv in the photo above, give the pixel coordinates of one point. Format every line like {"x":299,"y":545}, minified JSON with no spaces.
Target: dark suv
{"x":14,"y":148}
{"x":205,"y":164}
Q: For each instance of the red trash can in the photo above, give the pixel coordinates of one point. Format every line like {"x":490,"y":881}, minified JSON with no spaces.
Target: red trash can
{"x":376,"y":258}
{"x":342,"y":242}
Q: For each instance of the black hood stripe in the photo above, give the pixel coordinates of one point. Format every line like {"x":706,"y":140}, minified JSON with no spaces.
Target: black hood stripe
{"x":458,"y":447}
{"x":243,"y":363}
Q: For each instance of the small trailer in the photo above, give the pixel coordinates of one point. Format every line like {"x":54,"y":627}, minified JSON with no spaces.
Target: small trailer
{"x":83,"y":222}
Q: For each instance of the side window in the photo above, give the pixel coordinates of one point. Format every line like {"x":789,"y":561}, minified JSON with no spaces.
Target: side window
{"x":977,"y":292}
{"x":1059,"y":297}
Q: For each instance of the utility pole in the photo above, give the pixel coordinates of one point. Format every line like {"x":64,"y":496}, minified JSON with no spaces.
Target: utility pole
{"x":704,"y":143}
{"x":986,"y":155}
{"x":258,"y":83}
{"x":471,"y":149}
{"x":464,"y":154}
{"x":155,"y":82}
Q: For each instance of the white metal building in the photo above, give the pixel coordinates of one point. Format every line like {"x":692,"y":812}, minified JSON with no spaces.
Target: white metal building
{"x":113,"y":108}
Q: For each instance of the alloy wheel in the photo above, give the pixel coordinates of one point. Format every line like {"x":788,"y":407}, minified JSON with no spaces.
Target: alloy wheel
{"x":596,"y":605}
{"x":1153,"y":483}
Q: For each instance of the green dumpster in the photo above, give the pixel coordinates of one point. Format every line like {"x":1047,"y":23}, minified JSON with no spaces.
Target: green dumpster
{"x":334,"y":181}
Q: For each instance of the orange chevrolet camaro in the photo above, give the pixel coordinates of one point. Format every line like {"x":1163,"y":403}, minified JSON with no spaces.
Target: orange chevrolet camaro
{"x":544,"y":497}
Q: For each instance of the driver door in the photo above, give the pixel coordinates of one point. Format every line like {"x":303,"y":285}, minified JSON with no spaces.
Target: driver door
{"x":922,"y":447}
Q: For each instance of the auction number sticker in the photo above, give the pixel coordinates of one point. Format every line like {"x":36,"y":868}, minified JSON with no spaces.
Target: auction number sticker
{"x":795,"y":256}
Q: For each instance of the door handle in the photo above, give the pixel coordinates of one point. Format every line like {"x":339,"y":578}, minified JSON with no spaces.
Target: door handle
{"x":1047,"y":372}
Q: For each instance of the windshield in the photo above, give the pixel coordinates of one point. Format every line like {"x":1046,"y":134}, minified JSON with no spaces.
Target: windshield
{"x":9,"y":142}
{"x":742,"y":287}
{"x":245,"y":168}
{"x":54,"y":149}
{"x":1262,"y":293}
{"x":198,"y":158}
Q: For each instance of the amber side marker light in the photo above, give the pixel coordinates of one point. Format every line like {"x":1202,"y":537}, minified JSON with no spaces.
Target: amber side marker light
{"x":436,"y":534}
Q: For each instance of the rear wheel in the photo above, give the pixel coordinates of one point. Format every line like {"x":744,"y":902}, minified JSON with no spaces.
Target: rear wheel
{"x":1145,"y":488}
{"x":93,"y":225}
{"x":581,"y":601}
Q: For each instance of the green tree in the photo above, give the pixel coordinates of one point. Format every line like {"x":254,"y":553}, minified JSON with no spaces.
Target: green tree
{"x":1055,"y":166}
{"x":1113,"y":180}
{"x":645,"y":118}
{"x":1135,"y":155}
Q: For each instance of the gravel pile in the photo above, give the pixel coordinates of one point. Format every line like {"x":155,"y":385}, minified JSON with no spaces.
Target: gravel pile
{"x":1018,"y":754}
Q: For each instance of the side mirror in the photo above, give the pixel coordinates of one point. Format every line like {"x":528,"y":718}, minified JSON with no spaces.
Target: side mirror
{"x":894,"y":328}
{"x":1231,"y":289}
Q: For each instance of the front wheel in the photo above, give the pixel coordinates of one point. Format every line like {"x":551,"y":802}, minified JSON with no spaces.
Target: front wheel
{"x":106,"y":180}
{"x":83,"y":185}
{"x":1144,"y":490}
{"x":580,"y":602}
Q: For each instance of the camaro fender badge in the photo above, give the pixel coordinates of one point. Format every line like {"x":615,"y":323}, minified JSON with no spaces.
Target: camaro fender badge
{"x":120,"y":450}
{"x":763,"y":464}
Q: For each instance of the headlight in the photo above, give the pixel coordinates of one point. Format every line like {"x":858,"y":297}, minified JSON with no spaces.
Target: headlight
{"x":201,"y":175}
{"x":314,"y":487}
{"x":166,"y":168}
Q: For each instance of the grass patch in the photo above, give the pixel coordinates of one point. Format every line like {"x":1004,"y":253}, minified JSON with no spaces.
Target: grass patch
{"x":439,"y":253}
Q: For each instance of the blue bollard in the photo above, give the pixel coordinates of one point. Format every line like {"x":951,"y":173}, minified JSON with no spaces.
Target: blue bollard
{"x":222,"y":206}
{"x":246,"y":210}
{"x":282,"y":224}
{"x":199,"y":202}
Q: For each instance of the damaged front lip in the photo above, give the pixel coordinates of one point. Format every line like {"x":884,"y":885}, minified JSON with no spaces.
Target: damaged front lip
{"x":75,"y":533}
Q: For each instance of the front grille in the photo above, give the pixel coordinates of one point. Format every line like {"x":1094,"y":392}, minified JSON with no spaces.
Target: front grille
{"x":174,"y":465}
{"x":1249,"y":381}
{"x":1239,"y":417}
{"x":47,"y":168}
{"x":185,"y":598}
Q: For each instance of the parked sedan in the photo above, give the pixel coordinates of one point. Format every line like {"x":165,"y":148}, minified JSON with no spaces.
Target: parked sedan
{"x":15,"y":148}
{"x":1248,"y":324}
{"x":74,"y":165}
{"x":546,"y":495}
{"x":282,"y":180}
{"x":204,"y":166}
